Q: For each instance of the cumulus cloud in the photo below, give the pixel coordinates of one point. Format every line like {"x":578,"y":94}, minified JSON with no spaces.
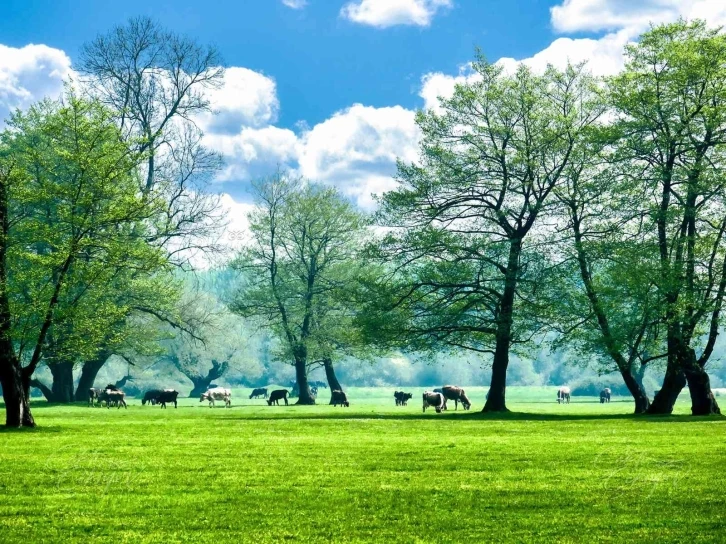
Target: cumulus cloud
{"x":595,"y":15}
{"x":295,"y":4}
{"x":245,"y":99}
{"x":386,"y":13}
{"x":30,"y":73}
{"x":356,"y":149}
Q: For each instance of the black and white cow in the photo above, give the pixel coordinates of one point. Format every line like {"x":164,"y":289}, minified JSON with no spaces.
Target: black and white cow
{"x":94,"y":395}
{"x":218,"y":393}
{"x":436,"y":400}
{"x":402,"y":398}
{"x":278,"y":395}
{"x":115,"y":397}
{"x":605,"y":395}
{"x":457,"y":394}
{"x":151,"y":397}
{"x":339,"y":397}
{"x":259,"y":392}
{"x":563,"y":395}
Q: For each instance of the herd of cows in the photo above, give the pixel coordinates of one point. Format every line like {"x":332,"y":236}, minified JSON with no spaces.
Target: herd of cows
{"x":436,"y":399}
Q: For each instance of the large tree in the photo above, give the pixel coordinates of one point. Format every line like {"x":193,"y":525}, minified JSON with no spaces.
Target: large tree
{"x":71,"y":216}
{"x":302,"y":249}
{"x":466,"y":266}
{"x":670,"y":115}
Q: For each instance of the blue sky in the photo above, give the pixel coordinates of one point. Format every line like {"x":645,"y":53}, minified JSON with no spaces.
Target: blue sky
{"x":329,"y":88}
{"x":321,"y":62}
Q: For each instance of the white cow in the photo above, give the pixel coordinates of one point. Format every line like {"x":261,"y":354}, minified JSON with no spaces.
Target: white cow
{"x":218,"y":393}
{"x":563,"y":395}
{"x":436,"y":400}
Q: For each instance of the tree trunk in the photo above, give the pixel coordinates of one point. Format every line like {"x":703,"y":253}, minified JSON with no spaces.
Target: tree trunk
{"x":16,"y":389}
{"x":673,"y":383}
{"x":201,"y":384}
{"x":703,"y":402}
{"x":47,"y":391}
{"x":642,"y":403}
{"x":62,"y":382}
{"x":301,"y":373}
{"x":89,"y":371}
{"x":333,"y":382}
{"x":496,"y":400}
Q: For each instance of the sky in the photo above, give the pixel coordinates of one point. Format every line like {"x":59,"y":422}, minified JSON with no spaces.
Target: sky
{"x":329,"y":88}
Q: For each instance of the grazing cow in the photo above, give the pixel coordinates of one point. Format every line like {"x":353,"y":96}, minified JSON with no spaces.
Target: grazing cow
{"x":115,"y":397}
{"x":94,"y":394}
{"x":218,"y":393}
{"x":151,"y":396}
{"x":457,"y":394}
{"x":339,"y":397}
{"x":563,"y":395}
{"x":605,"y":395}
{"x":402,"y":398}
{"x":167,"y":395}
{"x":434,"y":399}
{"x":276,"y":396}
{"x":259,"y":392}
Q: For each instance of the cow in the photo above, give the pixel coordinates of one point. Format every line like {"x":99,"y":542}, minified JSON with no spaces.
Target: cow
{"x":94,"y":394}
{"x":314,"y":390}
{"x":339,"y":397}
{"x":402,"y":398}
{"x":115,"y":397}
{"x":259,"y":392}
{"x":319,"y":384}
{"x":167,"y":395}
{"x":563,"y":395}
{"x":457,"y":394}
{"x":276,"y":396}
{"x":151,"y":397}
{"x":605,"y":395}
{"x":434,"y":399}
{"x":218,"y":393}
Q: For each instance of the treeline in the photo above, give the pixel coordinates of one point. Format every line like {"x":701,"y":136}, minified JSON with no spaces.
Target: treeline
{"x":549,"y":210}
{"x":555,"y":206}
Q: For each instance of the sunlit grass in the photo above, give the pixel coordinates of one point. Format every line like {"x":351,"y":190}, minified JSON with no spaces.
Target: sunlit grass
{"x":582,"y":472}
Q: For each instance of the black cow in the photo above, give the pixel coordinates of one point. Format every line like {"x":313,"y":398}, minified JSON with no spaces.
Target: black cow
{"x":259,"y":392}
{"x":457,"y":394}
{"x":276,"y":396}
{"x":402,"y":398}
{"x":339,"y":397}
{"x":167,"y":395}
{"x":151,"y":396}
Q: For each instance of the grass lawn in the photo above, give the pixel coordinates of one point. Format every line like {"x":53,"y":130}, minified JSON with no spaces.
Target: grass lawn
{"x":583,"y":472}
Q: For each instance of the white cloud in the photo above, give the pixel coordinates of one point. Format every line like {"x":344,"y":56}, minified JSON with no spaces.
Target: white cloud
{"x":636,"y":16}
{"x":245,"y":99}
{"x":30,"y":73}
{"x":356,"y":149}
{"x":386,"y":13}
{"x":295,"y":4}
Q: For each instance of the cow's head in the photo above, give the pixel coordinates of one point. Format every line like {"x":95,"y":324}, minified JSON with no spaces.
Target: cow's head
{"x":407,"y":396}
{"x":205,"y":396}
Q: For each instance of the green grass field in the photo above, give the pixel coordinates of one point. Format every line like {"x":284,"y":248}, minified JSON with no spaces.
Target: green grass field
{"x":583,"y":472}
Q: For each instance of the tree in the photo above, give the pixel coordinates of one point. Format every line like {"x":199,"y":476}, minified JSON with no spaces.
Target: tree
{"x":302,"y":247}
{"x":71,"y":215}
{"x":670,"y":112}
{"x":466,"y":268}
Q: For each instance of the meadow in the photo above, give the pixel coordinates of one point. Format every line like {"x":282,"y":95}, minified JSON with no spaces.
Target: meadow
{"x":582,"y":472}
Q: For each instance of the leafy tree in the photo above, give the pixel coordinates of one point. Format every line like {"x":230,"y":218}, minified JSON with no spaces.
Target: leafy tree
{"x":466,"y":265}
{"x":301,"y":254}
{"x":71,"y":217}
{"x":670,"y":113}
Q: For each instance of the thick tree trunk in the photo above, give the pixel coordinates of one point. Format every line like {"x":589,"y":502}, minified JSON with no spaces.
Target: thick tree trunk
{"x":16,"y":389}
{"x":333,"y":382}
{"x":89,"y":371}
{"x":200,"y":386}
{"x":47,"y":391}
{"x":673,"y":383}
{"x":62,"y":382}
{"x":496,"y":399}
{"x":301,"y":373}
{"x":703,"y":402}
{"x":642,"y":403}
